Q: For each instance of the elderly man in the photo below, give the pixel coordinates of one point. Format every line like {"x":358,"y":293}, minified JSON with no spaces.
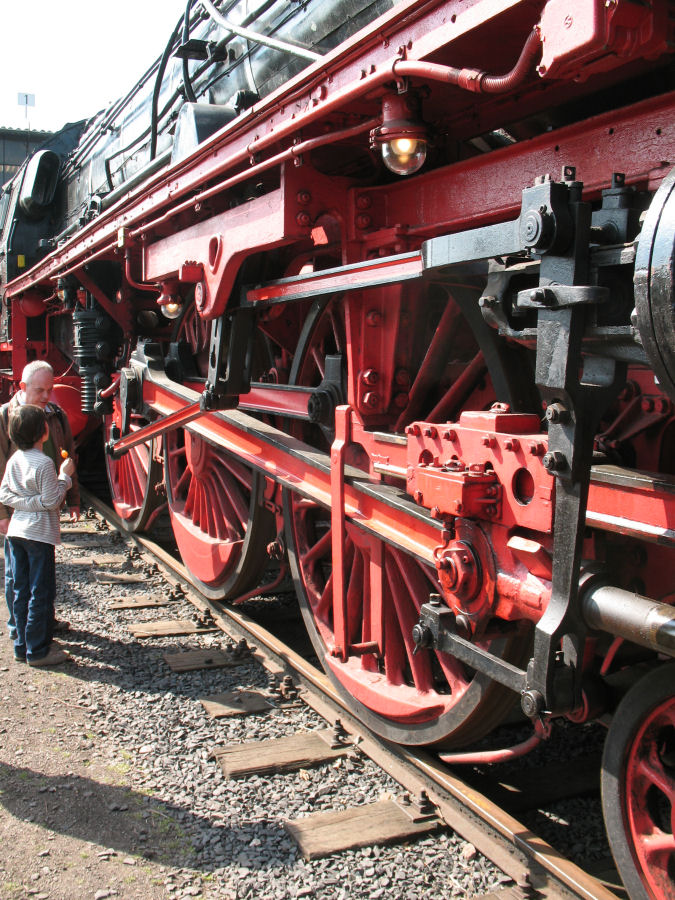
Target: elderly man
{"x":36,"y":386}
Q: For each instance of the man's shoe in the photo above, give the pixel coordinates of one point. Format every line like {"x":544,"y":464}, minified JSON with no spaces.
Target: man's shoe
{"x":55,"y":657}
{"x":60,"y":625}
{"x":19,"y":658}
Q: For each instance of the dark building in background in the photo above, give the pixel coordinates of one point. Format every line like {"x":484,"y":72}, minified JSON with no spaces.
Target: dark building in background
{"x":15,"y":145}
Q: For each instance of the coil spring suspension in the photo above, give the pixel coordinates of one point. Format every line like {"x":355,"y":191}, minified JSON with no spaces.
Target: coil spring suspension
{"x":91,"y":348}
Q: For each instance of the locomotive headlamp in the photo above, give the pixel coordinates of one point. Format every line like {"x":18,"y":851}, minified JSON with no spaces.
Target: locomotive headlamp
{"x":170,"y":301}
{"x":402,"y":137}
{"x":171,"y":308}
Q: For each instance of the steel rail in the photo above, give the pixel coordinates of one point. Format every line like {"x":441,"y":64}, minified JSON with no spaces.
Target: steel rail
{"x":529,"y":860}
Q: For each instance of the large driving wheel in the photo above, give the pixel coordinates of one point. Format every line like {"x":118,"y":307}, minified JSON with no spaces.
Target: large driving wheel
{"x":219,"y":523}
{"x":638,"y":786}
{"x":134,"y":477}
{"x":428,"y":698}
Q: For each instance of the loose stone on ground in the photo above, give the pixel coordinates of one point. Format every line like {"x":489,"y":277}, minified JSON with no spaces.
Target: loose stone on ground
{"x":109,"y":789}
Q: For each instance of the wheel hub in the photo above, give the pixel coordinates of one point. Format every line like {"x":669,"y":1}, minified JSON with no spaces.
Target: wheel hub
{"x":466,"y":571}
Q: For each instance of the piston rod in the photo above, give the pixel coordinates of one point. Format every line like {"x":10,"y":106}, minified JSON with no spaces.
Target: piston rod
{"x":633,"y":617}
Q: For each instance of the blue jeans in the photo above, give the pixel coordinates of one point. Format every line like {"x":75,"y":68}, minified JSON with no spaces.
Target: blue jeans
{"x":9,"y":592}
{"x":34,"y":570}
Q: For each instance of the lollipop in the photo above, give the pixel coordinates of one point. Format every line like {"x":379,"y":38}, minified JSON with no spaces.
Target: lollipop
{"x":64,"y":454}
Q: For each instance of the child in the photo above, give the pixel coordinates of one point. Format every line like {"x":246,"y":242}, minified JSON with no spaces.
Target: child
{"x":31,"y":487}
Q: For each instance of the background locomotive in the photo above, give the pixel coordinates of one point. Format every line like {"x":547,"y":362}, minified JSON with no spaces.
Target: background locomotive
{"x":332,"y":289}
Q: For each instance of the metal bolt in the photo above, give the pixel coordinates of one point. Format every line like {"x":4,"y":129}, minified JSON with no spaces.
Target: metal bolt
{"x":338,"y":735}
{"x":422,"y":636}
{"x":487,"y":440}
{"x":532,"y":703}
{"x":401,"y":400}
{"x":536,"y":448}
{"x":414,"y":430}
{"x":363,"y":220}
{"x":532,"y":227}
{"x":487,"y":302}
{"x":430,"y":432}
{"x":303,"y":219}
{"x":402,"y":377}
{"x":436,"y":512}
{"x":371,"y":400}
{"x":370,"y":376}
{"x":303,"y":197}
{"x":511,"y":444}
{"x":275,"y":550}
{"x":424,"y":804}
{"x":463,"y":626}
{"x":373,"y":317}
{"x":450,"y":435}
{"x":554,"y":461}
{"x":363,"y":201}
{"x":557,"y":413}
{"x":242,"y":648}
{"x":200,"y":294}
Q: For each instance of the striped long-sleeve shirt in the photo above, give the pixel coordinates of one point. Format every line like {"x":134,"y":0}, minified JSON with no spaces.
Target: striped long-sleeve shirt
{"x":32,"y":488}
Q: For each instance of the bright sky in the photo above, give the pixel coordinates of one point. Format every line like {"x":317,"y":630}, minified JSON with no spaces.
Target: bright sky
{"x":76,"y":56}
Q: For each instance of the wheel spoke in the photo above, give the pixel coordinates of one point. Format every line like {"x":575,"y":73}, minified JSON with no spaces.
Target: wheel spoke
{"x":423,"y":698}
{"x":324,"y":607}
{"x":220,"y":528}
{"x":320,"y":550}
{"x":420,"y":583}
{"x":651,"y":769}
{"x":406,"y":618}
{"x":356,"y":591}
{"x":133,"y":476}
{"x":656,"y":846}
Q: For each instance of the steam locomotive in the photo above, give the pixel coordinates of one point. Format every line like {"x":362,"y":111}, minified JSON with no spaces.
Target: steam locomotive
{"x":386,"y":290}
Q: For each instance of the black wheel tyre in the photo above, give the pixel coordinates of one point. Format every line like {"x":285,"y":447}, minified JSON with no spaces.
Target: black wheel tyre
{"x":640,"y":741}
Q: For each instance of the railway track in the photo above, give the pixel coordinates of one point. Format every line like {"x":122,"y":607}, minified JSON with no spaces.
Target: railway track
{"x":535,"y":867}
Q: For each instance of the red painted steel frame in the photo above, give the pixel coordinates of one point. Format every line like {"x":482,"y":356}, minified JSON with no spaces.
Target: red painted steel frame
{"x":637,"y":141}
{"x":297,"y":466}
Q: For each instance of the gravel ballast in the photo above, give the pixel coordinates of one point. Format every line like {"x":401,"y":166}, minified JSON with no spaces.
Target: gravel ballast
{"x":132,"y":756}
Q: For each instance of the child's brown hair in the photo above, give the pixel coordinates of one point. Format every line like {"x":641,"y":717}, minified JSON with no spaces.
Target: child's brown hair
{"x":26,"y":426}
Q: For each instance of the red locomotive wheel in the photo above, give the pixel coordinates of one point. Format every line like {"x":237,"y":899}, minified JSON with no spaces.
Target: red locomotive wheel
{"x":133,"y":477}
{"x":638,"y":786}
{"x":428,"y":698}
{"x":220,"y":526}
